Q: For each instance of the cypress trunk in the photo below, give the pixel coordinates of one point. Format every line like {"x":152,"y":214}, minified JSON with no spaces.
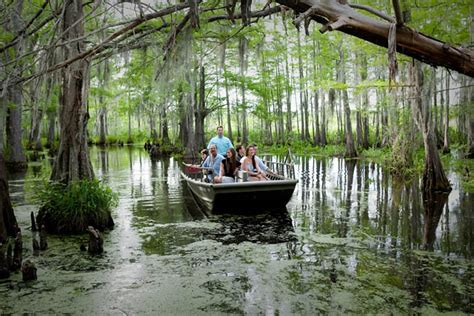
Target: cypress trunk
{"x":8,"y":224}
{"x":16,"y":157}
{"x":434,"y":178}
{"x":72,"y":162}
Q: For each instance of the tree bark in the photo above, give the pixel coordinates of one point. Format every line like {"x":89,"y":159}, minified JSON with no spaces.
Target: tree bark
{"x":288,"y":75}
{"x":351,"y":151}
{"x":470,"y":121}
{"x":433,"y":204}
{"x":226,"y":86}
{"x":103,"y":74}
{"x":200,"y":113}
{"x":14,"y":96}
{"x":8,"y":224}
{"x":323,"y":120}
{"x":446,"y":125}
{"x":51,"y":128}
{"x":72,"y":162}
{"x":243,"y":68}
{"x":34,"y":139}
{"x":434,"y":178}
{"x":338,"y":15}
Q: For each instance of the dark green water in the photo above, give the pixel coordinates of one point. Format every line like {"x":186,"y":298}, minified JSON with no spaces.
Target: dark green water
{"x":352,"y":240}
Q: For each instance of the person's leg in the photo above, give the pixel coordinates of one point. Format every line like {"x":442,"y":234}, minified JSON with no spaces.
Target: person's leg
{"x":227,"y":180}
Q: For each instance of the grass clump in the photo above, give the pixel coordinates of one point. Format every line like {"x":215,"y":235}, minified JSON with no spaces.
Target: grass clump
{"x":72,"y":208}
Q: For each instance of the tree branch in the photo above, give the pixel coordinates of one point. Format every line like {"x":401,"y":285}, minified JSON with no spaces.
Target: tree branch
{"x":409,"y":41}
{"x":378,"y":13}
{"x":102,"y":46}
{"x":254,"y":14}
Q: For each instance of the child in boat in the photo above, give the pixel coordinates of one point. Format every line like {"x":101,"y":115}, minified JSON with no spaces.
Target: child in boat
{"x":251,"y":166}
{"x":229,"y":167}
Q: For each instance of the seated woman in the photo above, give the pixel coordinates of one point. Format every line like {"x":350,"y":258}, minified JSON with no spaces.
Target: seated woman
{"x":229,"y":167}
{"x":251,"y":166}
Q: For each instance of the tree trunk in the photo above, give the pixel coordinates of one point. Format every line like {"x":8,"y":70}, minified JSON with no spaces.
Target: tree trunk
{"x":470,"y":120}
{"x":359,"y":128}
{"x":349,"y":137}
{"x":200,"y":113}
{"x":51,"y":128}
{"x":350,"y":146}
{"x":324,"y":140}
{"x":289,"y":122}
{"x":8,"y":224}
{"x":226,"y":86}
{"x":365,"y":129}
{"x":103,"y":74}
{"x":34,"y":139}
{"x":434,"y":178}
{"x":3,"y":116}
{"x":243,"y":68}
{"x":164,"y":126}
{"x":72,"y":162}
{"x":303,"y":105}
{"x":102,"y":133}
{"x":16,"y":157}
{"x":129,"y":118}
{"x":446,"y":125}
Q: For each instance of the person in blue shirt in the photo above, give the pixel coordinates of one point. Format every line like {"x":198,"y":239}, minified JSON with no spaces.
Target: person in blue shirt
{"x":222,"y":142}
{"x":213,"y":161}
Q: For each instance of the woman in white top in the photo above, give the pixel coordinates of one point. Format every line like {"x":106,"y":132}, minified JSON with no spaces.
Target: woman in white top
{"x":251,"y":166}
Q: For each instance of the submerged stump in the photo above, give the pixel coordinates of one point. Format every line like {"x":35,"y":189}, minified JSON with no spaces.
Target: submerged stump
{"x":18,"y":251}
{"x":4,"y":268}
{"x":33,"y":222}
{"x":43,"y":245}
{"x":28,"y":271}
{"x":96,"y":243}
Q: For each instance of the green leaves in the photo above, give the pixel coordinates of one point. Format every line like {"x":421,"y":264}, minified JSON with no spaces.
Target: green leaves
{"x":70,"y":209}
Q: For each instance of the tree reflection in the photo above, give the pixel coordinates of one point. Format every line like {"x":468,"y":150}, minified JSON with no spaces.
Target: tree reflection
{"x":434,"y":204}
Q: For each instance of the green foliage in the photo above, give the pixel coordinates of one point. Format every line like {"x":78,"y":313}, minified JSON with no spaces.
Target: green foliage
{"x":71,"y":209}
{"x":465,"y":167}
{"x":306,"y":148}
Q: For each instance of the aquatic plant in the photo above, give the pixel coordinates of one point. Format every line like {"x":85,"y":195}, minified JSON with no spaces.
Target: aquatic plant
{"x":72,"y":208}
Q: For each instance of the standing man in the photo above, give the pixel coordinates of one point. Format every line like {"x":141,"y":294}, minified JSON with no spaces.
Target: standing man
{"x":222,"y":142}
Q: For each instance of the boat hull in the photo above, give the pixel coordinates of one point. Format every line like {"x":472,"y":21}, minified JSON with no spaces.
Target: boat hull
{"x":264,"y":195}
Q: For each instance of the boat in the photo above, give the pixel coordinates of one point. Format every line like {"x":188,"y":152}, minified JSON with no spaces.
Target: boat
{"x":274,"y":193}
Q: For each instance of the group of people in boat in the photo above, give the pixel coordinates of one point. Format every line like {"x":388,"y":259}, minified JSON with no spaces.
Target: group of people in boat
{"x":225,"y":163}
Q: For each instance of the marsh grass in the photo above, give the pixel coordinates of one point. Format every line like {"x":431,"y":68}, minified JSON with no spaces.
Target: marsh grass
{"x":70,"y":209}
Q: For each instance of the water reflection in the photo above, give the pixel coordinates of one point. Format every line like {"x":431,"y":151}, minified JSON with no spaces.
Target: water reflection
{"x":352,"y":240}
{"x":357,"y":198}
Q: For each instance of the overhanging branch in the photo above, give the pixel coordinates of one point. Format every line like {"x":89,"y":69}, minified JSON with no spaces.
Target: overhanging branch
{"x":409,"y":41}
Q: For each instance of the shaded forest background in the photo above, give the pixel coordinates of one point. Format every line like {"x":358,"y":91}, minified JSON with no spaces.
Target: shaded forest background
{"x":172,"y":73}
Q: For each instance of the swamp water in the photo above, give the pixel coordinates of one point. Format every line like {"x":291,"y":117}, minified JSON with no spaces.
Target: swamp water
{"x":352,"y":240}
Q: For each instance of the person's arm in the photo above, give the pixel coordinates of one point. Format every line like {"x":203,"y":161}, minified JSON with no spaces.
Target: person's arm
{"x":260,"y":164}
{"x":237,"y":167}
{"x":205,"y":164}
{"x":222,"y":171}
{"x":246,"y":168}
